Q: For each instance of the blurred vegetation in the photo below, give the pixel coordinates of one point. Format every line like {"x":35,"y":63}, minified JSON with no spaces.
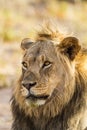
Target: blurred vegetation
{"x":20,"y":18}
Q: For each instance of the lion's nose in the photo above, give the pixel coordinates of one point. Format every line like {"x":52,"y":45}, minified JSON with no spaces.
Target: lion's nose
{"x":29,"y":85}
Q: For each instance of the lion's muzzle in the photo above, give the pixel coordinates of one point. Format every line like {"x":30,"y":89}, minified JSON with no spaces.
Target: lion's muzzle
{"x":29,"y":85}
{"x":32,"y":92}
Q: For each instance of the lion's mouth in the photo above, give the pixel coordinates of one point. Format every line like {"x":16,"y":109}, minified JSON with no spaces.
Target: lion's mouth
{"x":33,"y":97}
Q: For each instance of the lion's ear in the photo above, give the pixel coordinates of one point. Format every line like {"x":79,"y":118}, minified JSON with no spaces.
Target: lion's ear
{"x":26,"y":43}
{"x":70,"y":47}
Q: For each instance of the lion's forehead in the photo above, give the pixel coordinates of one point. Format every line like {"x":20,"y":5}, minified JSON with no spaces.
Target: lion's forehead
{"x":41,"y":48}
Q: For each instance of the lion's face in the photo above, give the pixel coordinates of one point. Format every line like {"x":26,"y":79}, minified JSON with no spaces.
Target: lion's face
{"x":44,"y":71}
{"x":41,"y":73}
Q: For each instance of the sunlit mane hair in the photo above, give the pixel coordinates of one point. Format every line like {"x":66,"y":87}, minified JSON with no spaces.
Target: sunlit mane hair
{"x":49,"y":31}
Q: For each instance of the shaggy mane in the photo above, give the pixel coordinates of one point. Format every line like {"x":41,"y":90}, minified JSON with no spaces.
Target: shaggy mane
{"x":49,"y":32}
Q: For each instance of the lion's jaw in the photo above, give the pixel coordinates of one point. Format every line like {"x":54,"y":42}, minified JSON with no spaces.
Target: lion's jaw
{"x":32,"y":99}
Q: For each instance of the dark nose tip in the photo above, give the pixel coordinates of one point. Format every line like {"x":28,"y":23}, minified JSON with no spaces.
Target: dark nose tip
{"x":29,"y":85}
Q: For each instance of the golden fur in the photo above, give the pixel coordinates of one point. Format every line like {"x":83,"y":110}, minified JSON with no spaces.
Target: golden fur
{"x":72,"y":66}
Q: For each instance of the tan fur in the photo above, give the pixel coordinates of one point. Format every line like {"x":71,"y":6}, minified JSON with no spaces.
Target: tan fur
{"x":59,"y":96}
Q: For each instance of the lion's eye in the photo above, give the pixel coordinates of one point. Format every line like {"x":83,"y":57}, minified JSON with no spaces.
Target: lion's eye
{"x":24,"y":65}
{"x":46,"y":64}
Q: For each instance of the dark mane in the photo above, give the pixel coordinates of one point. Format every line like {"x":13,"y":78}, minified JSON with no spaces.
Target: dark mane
{"x":70,"y":109}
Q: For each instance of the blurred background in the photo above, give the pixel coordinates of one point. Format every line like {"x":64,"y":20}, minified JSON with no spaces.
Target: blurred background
{"x":18,"y":19}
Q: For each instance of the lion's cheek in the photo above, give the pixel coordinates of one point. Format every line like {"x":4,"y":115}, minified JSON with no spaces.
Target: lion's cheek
{"x":38,"y":90}
{"x":52,"y":84}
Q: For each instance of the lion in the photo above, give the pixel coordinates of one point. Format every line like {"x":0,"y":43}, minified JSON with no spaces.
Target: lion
{"x":52,"y":90}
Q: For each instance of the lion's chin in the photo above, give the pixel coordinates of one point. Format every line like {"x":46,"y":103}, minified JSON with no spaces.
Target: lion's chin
{"x":34,"y":101}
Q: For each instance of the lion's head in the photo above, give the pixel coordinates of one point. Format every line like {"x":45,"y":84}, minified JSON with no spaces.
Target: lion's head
{"x":48,"y":74}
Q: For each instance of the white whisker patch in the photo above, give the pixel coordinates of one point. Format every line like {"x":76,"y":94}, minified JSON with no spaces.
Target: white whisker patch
{"x":40,"y":102}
